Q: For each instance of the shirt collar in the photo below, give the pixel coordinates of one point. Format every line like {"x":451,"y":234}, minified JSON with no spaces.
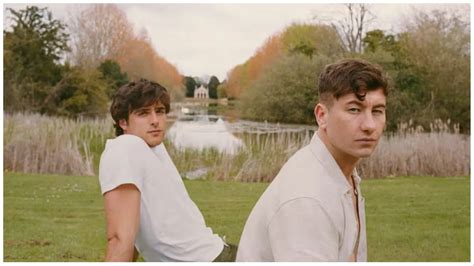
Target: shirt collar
{"x":356,"y":176}
{"x":319,"y":149}
{"x":160,"y":151}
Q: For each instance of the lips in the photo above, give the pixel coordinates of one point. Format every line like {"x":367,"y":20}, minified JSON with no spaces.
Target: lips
{"x":365,"y":140}
{"x":154,"y":131}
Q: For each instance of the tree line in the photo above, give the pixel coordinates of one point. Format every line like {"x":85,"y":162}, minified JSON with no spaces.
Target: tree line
{"x":74,"y":68}
{"x":428,"y":64}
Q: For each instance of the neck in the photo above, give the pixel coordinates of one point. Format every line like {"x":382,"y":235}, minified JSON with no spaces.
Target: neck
{"x":345,"y":161}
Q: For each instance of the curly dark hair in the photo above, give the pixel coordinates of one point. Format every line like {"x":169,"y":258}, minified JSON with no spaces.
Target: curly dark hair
{"x":351,"y":76}
{"x":134,"y":95}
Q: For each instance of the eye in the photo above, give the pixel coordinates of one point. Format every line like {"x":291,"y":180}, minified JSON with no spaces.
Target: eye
{"x":378,"y":111}
{"x":142,"y":112}
{"x":160,"y":111}
{"x":354,"y":110}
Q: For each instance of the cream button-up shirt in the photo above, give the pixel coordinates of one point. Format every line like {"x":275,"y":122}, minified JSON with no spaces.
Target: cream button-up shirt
{"x":306,"y":213}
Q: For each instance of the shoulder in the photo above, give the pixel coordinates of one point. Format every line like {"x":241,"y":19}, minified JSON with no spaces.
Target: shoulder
{"x":303,"y":176}
{"x":127,"y":142}
{"x":302,"y":159}
{"x":124,"y":160}
{"x":124,"y":149}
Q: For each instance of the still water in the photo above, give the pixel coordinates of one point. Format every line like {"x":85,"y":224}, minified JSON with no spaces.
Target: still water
{"x":204,"y":131}
{"x":198,"y":127}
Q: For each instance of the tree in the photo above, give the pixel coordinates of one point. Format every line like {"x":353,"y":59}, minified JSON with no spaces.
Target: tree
{"x":140,"y":60}
{"x":307,"y":39}
{"x":221,"y":90}
{"x":377,"y":40}
{"x":238,"y":81}
{"x":434,"y":61}
{"x":286,"y":92}
{"x":32,"y":50}
{"x":351,"y":29}
{"x":190,"y":85}
{"x":213,"y":84}
{"x":99,"y":32}
{"x":81,"y":93}
{"x":311,"y":39}
{"x":112,"y":73}
{"x":241,"y":76}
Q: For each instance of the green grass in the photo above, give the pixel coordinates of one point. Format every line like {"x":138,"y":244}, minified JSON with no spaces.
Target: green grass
{"x":225,"y":204}
{"x":418,"y":219}
{"x":52,"y":218}
{"x":60,"y":218}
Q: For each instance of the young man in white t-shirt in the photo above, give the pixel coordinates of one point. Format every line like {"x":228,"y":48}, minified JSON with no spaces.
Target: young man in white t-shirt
{"x":148,"y":209}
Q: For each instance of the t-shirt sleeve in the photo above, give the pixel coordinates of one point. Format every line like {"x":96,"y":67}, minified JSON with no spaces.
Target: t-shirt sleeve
{"x":302,"y":231}
{"x":123,"y":163}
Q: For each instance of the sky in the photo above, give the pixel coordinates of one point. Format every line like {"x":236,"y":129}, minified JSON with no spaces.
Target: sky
{"x":211,"y":39}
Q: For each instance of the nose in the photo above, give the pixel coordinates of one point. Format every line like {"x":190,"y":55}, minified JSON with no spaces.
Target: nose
{"x":368,"y":123}
{"x":154,"y":121}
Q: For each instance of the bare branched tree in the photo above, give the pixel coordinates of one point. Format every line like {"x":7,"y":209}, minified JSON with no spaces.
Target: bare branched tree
{"x":98,"y":32}
{"x":352,"y":27}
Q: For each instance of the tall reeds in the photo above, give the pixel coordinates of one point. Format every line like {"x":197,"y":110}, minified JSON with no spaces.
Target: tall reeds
{"x":258,"y":161}
{"x":412,"y":152}
{"x":35,"y":143}
{"x":39,"y":144}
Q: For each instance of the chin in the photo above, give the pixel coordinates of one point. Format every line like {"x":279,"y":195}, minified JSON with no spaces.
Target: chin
{"x":365,"y":153}
{"x":154,"y":143}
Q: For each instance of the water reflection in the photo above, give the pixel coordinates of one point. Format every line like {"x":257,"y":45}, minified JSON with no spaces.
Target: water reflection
{"x":201,"y":127}
{"x":203,"y":131}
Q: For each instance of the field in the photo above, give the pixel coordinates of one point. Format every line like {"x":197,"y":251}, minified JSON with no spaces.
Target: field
{"x":61,"y":218}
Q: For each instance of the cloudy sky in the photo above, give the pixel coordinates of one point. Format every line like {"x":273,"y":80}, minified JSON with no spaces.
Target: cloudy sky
{"x":211,"y":39}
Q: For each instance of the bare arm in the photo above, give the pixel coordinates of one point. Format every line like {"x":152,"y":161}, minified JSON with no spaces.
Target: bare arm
{"x":122,"y":210}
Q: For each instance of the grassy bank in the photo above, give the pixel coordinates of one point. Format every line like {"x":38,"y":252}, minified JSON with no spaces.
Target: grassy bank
{"x":60,"y":218}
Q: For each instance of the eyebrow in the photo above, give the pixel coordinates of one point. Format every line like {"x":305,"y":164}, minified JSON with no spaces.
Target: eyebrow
{"x":359,"y":103}
{"x":356,"y":102}
{"x":148,"y":107}
{"x":142,"y":108}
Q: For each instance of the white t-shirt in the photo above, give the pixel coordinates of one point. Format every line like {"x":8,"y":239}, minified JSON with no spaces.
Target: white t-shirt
{"x":171,"y":226}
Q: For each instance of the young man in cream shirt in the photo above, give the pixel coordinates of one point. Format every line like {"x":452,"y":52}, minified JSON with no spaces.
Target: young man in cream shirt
{"x":148,"y":209}
{"x":313,"y":210}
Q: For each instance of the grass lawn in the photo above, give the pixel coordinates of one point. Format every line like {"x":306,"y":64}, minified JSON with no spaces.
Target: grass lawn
{"x":61,"y":218}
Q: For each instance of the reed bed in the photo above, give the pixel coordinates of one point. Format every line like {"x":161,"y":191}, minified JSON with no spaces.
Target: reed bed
{"x":413,"y":152}
{"x":39,"y":144}
{"x":259,"y":160}
{"x":36,"y":143}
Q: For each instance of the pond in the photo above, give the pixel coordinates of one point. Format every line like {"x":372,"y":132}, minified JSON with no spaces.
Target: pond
{"x":201,"y":126}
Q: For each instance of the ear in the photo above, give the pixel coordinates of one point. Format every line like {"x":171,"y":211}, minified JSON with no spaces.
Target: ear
{"x":123,"y":124}
{"x":321,"y":113}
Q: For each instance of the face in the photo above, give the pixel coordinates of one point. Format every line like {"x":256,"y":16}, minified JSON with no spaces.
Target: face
{"x":147,"y":123}
{"x":352,"y":128}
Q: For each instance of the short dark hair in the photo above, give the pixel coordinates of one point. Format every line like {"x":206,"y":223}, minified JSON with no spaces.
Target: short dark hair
{"x":351,"y":76}
{"x":134,"y":95}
